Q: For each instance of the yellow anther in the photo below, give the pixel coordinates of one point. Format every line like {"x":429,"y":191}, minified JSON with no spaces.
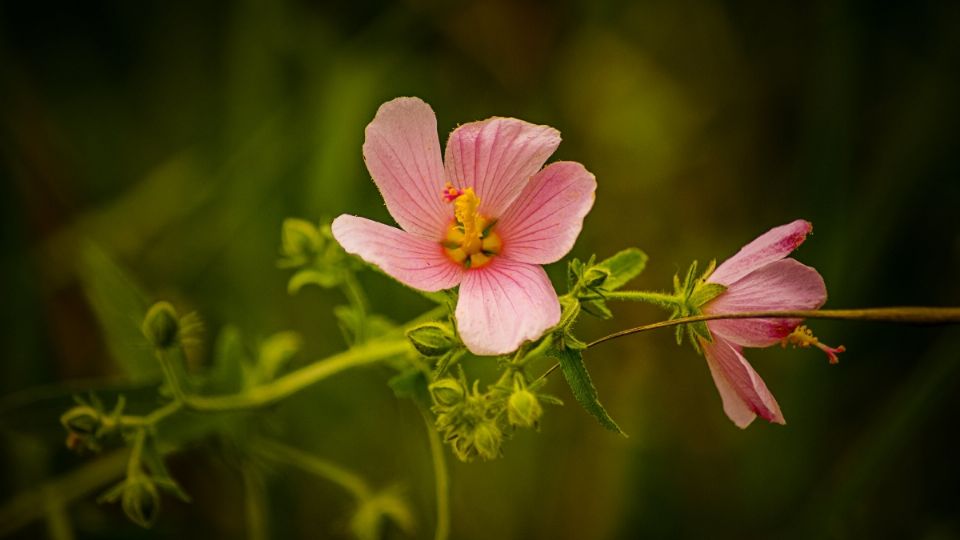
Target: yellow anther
{"x":803,"y":337}
{"x":469,"y":240}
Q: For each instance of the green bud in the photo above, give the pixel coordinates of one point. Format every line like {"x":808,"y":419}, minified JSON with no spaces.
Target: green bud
{"x":82,"y":420}
{"x":523,"y":408}
{"x":161,"y":325}
{"x":141,"y":500}
{"x":432,"y":339}
{"x":447,"y":392}
{"x":487,"y":439}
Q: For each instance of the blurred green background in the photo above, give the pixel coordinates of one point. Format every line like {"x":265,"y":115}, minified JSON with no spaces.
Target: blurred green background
{"x":177,"y":136}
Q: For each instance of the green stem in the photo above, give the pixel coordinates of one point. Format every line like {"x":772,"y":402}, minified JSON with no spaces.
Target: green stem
{"x":659,"y":299}
{"x":908,"y":315}
{"x":260,"y":396}
{"x":354,"y":294}
{"x":440,"y":476}
{"x":320,"y":467}
{"x":255,"y":502}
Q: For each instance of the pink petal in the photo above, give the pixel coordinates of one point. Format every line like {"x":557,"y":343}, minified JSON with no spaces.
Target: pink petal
{"x":780,"y":285}
{"x":773,"y":245}
{"x":743,"y":392}
{"x":496,"y":157}
{"x":402,"y":153}
{"x":544,"y":221}
{"x":409,"y":259}
{"x":504,"y":304}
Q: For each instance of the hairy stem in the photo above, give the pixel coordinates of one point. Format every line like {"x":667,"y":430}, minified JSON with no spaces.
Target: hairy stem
{"x":306,"y":462}
{"x":909,"y":315}
{"x":660,"y":299}
{"x":903,"y":315}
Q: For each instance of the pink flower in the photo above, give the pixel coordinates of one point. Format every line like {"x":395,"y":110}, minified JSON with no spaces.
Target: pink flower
{"x":485,"y":218}
{"x":757,"y":278}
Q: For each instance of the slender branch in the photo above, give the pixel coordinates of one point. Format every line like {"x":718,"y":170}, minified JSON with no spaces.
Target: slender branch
{"x":440,"y":476}
{"x":910,"y":315}
{"x":660,"y":299}
{"x":903,"y":315}
{"x":260,"y":396}
{"x":314,"y":465}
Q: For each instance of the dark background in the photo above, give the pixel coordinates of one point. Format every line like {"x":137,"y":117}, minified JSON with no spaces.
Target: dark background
{"x":177,"y":136}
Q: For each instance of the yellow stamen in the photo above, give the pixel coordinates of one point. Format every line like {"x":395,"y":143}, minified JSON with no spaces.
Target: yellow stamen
{"x":469,"y":240}
{"x":803,"y":337}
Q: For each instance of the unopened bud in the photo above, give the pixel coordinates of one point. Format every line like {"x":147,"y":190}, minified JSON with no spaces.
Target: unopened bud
{"x":161,"y":325}
{"x":432,"y":339}
{"x":486,"y":440}
{"x":523,"y":408}
{"x":141,"y":500}
{"x":81,"y":420}
{"x":447,"y":392}
{"x":595,"y":277}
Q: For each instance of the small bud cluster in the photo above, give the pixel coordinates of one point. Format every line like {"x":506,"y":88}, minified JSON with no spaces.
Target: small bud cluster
{"x":89,"y":425}
{"x":476,"y":423}
{"x":312,"y":251}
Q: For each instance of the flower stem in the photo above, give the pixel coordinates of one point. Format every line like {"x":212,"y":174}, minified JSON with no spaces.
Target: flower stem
{"x":266,"y":394}
{"x":656,"y":298}
{"x":903,"y":315}
{"x":314,"y":465}
{"x":441,"y":478}
{"x":908,"y":315}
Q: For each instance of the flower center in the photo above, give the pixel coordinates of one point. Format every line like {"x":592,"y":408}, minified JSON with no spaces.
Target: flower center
{"x":470,"y":239}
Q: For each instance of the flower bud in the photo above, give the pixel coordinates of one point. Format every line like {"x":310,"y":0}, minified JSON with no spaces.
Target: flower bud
{"x":523,"y":408}
{"x":447,"y":392}
{"x":432,"y":339}
{"x":141,"y":500}
{"x":595,"y":277}
{"x":487,"y":439}
{"x":161,"y":325}
{"x":81,"y":420}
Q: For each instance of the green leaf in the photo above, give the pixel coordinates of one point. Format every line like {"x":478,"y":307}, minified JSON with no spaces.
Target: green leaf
{"x":119,"y":305}
{"x":571,"y":363}
{"x":623,"y":267}
{"x":275,"y":352}
{"x":230,"y":363}
{"x":326,"y":278}
{"x":410,"y":383}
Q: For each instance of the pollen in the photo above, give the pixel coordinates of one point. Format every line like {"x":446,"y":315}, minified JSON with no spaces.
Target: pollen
{"x":470,"y":239}
{"x":803,"y":337}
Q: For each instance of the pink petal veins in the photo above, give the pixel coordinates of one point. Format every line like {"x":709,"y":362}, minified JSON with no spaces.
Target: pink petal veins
{"x":496,"y":157}
{"x":742,"y":391}
{"x":402,"y":153}
{"x":543,"y":222}
{"x":504,"y":304}
{"x":771,"y":246}
{"x":782,"y":285}
{"x":411,"y":260}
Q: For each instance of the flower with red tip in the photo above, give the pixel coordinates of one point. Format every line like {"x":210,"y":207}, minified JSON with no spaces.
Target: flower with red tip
{"x":757,"y":278}
{"x":484,"y":217}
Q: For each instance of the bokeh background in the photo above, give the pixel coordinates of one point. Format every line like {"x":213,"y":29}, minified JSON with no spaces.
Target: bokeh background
{"x":176,"y":136}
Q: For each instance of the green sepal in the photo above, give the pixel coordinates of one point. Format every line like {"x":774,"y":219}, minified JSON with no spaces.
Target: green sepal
{"x":433,"y":339}
{"x":598,"y":308}
{"x":153,"y":460}
{"x":705,"y":292}
{"x":571,"y":363}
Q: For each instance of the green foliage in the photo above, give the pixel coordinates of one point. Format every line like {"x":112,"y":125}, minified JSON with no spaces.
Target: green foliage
{"x":691,"y":295}
{"x":571,"y":363}
{"x":591,"y":282}
{"x":119,"y":305}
